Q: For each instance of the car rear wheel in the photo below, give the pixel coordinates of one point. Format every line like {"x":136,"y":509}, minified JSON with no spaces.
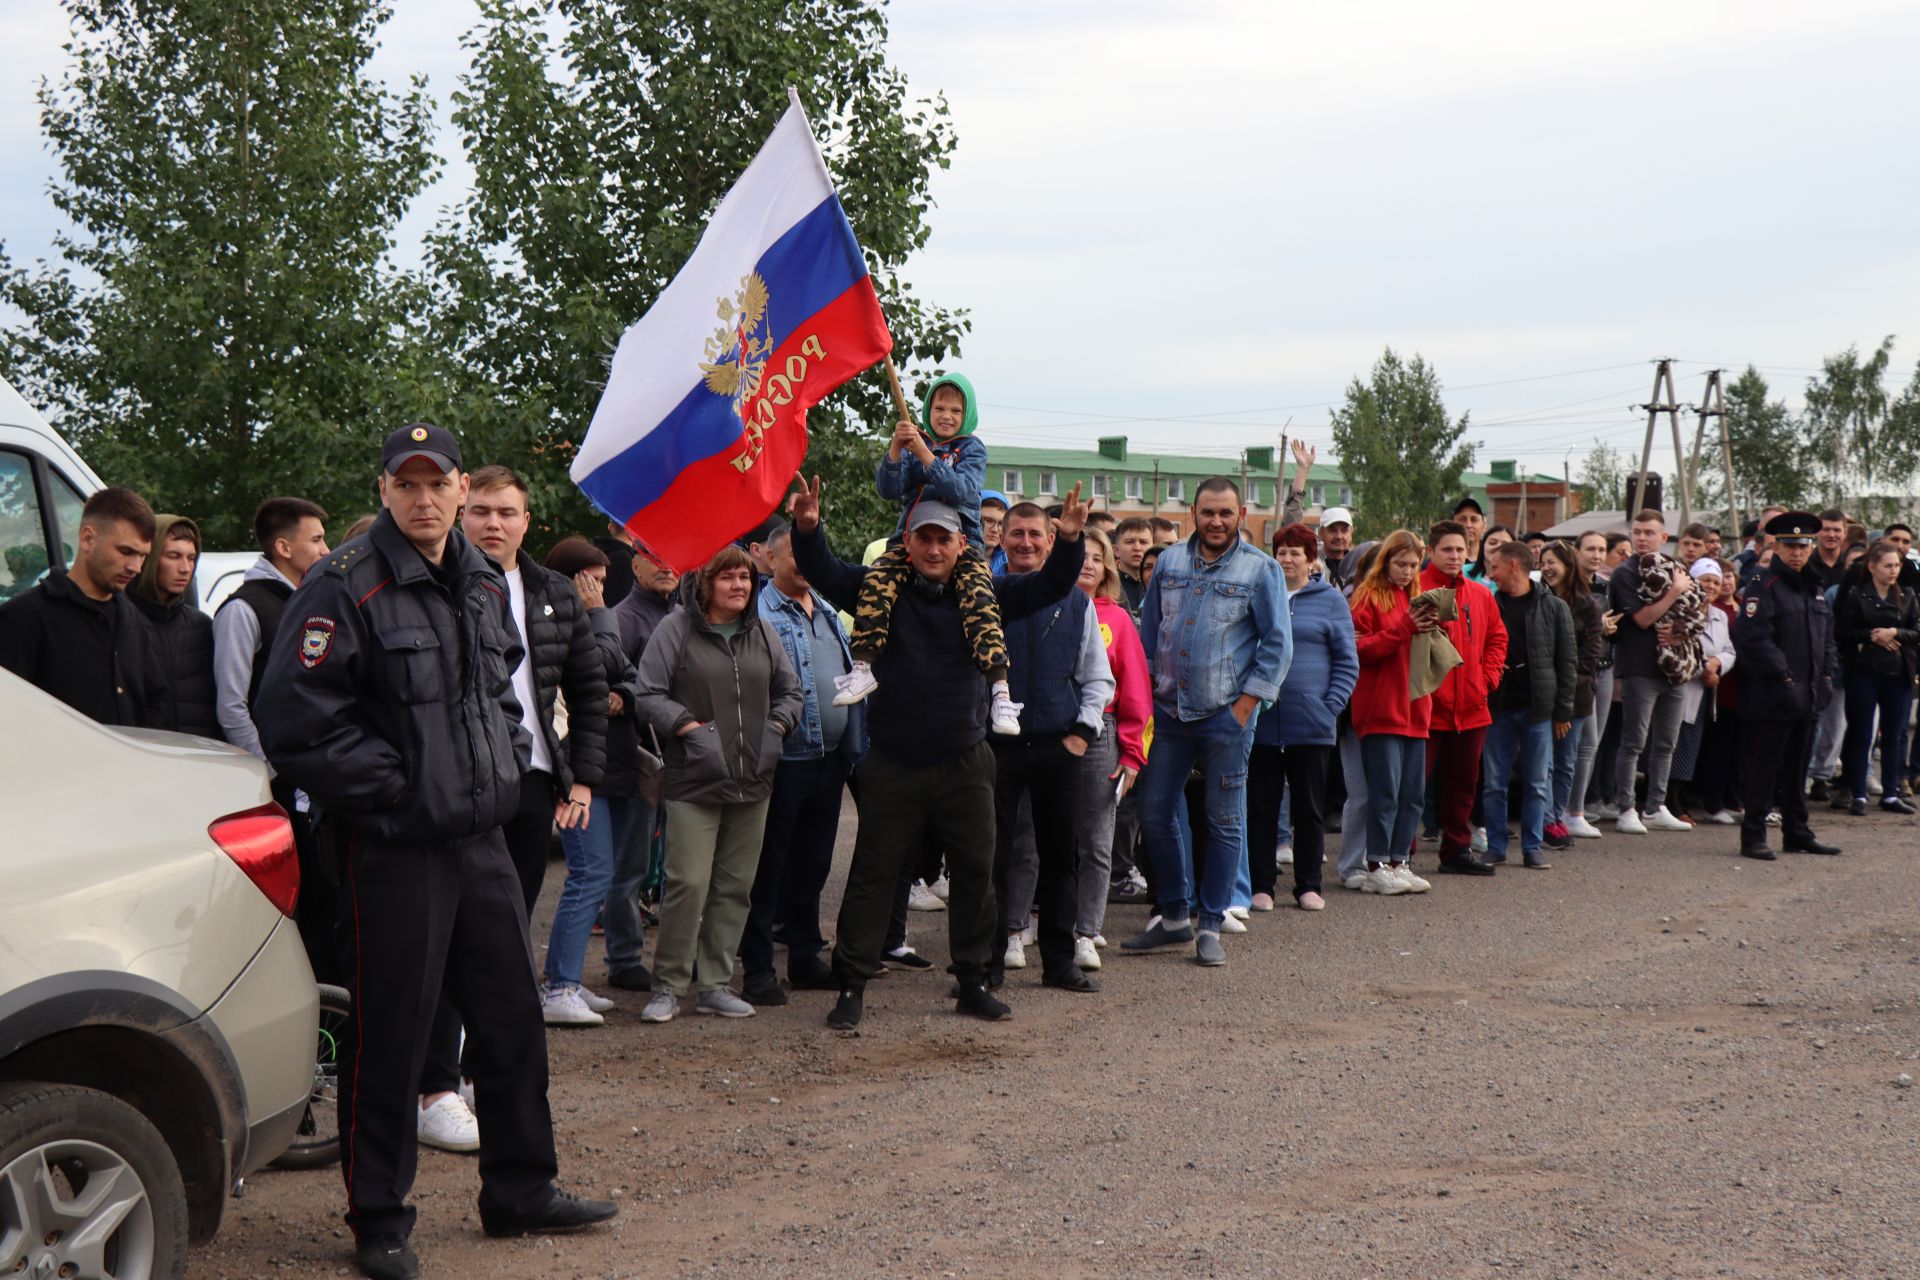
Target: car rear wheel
{"x":88,"y":1187}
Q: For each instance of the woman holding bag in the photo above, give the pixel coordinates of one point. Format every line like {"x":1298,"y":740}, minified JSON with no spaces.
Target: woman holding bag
{"x":716,"y":686}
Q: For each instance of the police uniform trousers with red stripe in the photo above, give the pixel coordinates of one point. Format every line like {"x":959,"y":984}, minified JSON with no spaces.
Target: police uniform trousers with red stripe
{"x":424,"y":918}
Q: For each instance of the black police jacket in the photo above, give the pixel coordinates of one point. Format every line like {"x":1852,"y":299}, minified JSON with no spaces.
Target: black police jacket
{"x":388,"y":695}
{"x":1785,"y":642}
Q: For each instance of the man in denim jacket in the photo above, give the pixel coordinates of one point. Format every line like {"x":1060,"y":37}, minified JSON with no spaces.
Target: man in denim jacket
{"x":1218,"y":642}
{"x":803,"y":816}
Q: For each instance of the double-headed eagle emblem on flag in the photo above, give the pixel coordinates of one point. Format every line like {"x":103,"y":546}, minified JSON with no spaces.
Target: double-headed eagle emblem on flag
{"x":737,"y":351}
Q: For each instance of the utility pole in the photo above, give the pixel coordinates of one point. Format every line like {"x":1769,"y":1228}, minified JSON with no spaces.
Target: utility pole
{"x":1655,"y":406}
{"x":1156,"y":487}
{"x":1713,"y":404}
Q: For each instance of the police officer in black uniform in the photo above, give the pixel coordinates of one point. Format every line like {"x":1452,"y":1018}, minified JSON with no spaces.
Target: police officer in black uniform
{"x":389,"y":700}
{"x":1788,"y":665}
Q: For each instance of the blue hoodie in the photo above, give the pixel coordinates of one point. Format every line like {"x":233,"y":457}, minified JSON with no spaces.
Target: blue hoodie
{"x":1321,"y":679}
{"x":958,"y":473}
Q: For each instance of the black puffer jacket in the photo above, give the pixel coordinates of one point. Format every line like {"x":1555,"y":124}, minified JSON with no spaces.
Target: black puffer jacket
{"x":622,"y":775}
{"x":389,"y":690}
{"x":565,"y":658}
{"x":181,"y":638}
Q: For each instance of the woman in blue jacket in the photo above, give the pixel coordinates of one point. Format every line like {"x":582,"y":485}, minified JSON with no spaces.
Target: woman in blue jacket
{"x":1295,"y":735}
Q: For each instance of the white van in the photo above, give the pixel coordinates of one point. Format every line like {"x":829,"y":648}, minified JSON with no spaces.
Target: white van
{"x":43,"y":486}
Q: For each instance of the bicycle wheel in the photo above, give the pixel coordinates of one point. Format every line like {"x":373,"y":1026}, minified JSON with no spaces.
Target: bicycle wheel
{"x":317,"y":1144}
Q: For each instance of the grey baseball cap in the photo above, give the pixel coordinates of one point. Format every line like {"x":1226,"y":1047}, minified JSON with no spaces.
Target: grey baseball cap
{"x":934,"y":513}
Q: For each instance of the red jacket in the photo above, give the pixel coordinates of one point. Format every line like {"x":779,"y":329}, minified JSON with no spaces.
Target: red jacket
{"x":1132,"y":704}
{"x":1460,"y":703}
{"x":1385,"y":641}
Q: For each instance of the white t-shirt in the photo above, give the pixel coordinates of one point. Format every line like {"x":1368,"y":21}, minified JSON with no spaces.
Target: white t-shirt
{"x":523,"y":674}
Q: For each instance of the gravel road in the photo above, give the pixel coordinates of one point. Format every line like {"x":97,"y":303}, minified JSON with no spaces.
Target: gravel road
{"x":1655,"y":1059}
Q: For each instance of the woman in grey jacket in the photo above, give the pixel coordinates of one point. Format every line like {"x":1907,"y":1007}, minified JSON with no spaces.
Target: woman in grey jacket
{"x":716,"y":685}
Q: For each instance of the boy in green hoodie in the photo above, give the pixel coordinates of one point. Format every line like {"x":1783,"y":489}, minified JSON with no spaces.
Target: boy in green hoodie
{"x":947,"y":463}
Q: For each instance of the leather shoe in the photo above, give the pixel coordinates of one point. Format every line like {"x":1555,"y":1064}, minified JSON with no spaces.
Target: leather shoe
{"x":1465,"y":865}
{"x":1070,"y":980}
{"x":1759,"y":852}
{"x":632,"y":978}
{"x":1842,"y":802}
{"x":762,"y":989}
{"x":387,"y":1258}
{"x":1896,"y":805}
{"x":564,"y":1212}
{"x":1811,"y":845}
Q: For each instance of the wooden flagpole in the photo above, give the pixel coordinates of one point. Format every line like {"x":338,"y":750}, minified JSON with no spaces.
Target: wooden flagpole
{"x":899,"y":396}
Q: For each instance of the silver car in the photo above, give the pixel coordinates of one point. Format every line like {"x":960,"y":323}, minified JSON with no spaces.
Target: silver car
{"x":157,"y":1012}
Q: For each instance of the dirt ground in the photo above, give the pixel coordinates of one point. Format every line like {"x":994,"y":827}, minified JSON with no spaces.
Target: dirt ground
{"x":1654,"y":1060}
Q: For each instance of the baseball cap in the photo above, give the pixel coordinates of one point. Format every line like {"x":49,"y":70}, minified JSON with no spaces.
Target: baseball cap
{"x":420,"y":440}
{"x":1335,"y":515}
{"x":934,"y":513}
{"x":1468,"y":501}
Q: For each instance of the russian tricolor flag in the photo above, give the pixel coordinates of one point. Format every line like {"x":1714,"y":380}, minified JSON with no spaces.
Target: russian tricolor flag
{"x":699,"y":431}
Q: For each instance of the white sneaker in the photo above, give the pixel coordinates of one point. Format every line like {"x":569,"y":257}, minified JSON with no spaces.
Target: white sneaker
{"x":1231,"y":923}
{"x":1005,"y":715}
{"x":599,"y":1004}
{"x":1016,"y":957}
{"x":1773,"y":817}
{"x":661,"y":1007}
{"x":1284,"y":855}
{"x":449,"y":1125}
{"x":1382,"y":880}
{"x":563,"y":1007}
{"x":1723,"y":818}
{"x":854,"y":686}
{"x":938,"y":888}
{"x":1031,"y":934}
{"x":1410,"y":878}
{"x":1606,"y":812}
{"x":1479,"y":843}
{"x":1580,"y":829}
{"x":1629,"y":823}
{"x":1242,"y":914}
{"x":1085,"y":956}
{"x":1356,"y":882}
{"x":922,"y":898}
{"x":1100,"y":941}
{"x":1662,"y":819}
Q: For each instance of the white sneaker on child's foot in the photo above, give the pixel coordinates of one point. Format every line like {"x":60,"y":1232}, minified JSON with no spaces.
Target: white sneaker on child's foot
{"x":854,"y":686}
{"x":1005,"y":716}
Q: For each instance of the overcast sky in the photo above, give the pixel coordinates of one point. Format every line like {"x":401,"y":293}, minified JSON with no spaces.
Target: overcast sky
{"x":1191,"y":222}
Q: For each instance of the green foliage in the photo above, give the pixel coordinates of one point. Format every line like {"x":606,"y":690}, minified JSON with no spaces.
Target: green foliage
{"x":1769,"y":448}
{"x":601,"y":142}
{"x":1604,"y":473}
{"x":1846,"y":416}
{"x":223,"y":322}
{"x":1397,"y":447}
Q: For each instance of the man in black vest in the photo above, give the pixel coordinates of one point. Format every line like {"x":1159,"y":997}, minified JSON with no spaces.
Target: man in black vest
{"x":1788,"y":663}
{"x":77,"y":636}
{"x":292,"y":536}
{"x":1062,"y":684}
{"x":388,"y":697}
{"x":927,"y":779}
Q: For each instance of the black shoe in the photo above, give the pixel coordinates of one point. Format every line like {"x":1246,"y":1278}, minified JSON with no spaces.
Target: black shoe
{"x":907,"y":960}
{"x":1895,"y":805}
{"x":632,"y":979}
{"x":1858,"y":808}
{"x":1465,"y":865}
{"x":388,"y":1258}
{"x":1841,"y":802}
{"x":564,"y":1212}
{"x":1810,"y":845}
{"x":812,"y":977}
{"x":762,"y":988}
{"x":1070,"y":980}
{"x":848,"y":1009}
{"x":1758,"y":852}
{"x":1537,"y":863}
{"x":1818,"y":791}
{"x":975,"y":999}
{"x":1494,"y":859}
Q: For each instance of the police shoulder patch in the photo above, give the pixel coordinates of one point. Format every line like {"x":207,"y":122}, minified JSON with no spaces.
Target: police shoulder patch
{"x":316,"y":641}
{"x":1753,"y":608}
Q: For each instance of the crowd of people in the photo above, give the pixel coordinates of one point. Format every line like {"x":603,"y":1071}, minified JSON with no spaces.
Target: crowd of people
{"x":1038,"y":712}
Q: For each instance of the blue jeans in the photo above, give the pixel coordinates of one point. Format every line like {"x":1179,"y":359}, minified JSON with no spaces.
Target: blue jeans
{"x":1396,"y":769}
{"x":1567,"y":752}
{"x":1516,"y":738}
{"x":1890,"y":696}
{"x":1220,"y":746}
{"x":626,"y":927}
{"x":590,"y":854}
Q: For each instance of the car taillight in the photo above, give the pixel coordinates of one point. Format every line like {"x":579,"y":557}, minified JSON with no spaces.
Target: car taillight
{"x":261,"y":842}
